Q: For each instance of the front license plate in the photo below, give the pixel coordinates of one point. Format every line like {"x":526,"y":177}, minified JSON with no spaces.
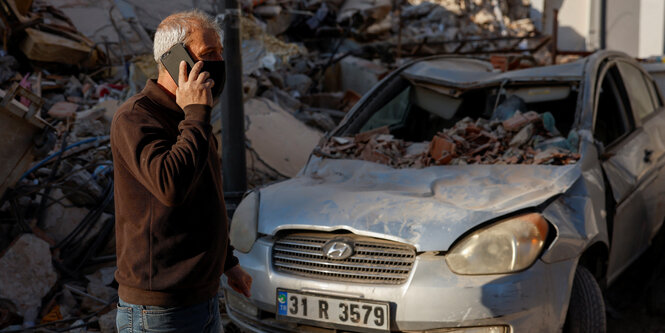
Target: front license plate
{"x":342,"y":312}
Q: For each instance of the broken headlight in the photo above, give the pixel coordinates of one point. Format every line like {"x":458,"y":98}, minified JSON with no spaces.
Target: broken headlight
{"x":245,"y":223}
{"x":508,"y":246}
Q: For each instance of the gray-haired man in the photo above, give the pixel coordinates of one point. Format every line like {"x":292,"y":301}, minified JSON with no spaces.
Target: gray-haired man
{"x":171,"y":224}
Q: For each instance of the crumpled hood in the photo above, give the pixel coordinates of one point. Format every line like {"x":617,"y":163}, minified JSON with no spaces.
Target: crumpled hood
{"x":428,"y":208}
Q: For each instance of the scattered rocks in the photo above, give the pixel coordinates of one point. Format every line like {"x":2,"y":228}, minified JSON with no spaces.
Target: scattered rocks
{"x":27,"y":274}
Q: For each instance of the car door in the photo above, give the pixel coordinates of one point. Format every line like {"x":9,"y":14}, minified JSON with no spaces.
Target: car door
{"x":650,"y":117}
{"x":623,"y":162}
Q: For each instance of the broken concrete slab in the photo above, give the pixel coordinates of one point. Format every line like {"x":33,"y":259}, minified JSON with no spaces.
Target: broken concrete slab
{"x":369,"y":10}
{"x":282,"y":98}
{"x":27,"y":273}
{"x":63,"y":110}
{"x":79,"y":326}
{"x":101,"y":295}
{"x":360,"y":75}
{"x":42,"y":46}
{"x":523,"y":136}
{"x":110,"y":106}
{"x":103,"y":22}
{"x":278,"y":138}
{"x":299,"y":83}
{"x":103,"y":276}
{"x":59,"y":220}
{"x":107,"y":321}
{"x":82,"y":189}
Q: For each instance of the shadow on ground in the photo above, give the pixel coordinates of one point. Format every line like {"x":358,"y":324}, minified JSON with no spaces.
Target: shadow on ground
{"x":636,"y":301}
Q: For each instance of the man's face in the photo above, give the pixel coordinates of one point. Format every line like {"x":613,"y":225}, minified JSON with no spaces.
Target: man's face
{"x":204,"y":44}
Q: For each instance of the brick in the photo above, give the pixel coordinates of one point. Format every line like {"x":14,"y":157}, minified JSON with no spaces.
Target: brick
{"x":439,"y":147}
{"x":515,"y":123}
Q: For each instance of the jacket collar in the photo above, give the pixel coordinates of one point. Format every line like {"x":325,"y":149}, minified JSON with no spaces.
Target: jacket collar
{"x":160,"y":97}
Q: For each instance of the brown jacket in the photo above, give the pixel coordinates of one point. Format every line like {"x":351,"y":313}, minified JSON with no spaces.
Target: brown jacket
{"x":171,"y":224}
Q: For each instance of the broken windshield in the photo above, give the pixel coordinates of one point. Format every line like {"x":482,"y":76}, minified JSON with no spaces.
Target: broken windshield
{"x":422,"y":124}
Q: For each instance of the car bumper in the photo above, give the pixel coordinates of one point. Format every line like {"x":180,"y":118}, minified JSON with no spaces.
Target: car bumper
{"x":433,"y":297}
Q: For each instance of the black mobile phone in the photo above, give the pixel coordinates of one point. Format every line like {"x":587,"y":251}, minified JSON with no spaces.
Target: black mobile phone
{"x":171,"y":60}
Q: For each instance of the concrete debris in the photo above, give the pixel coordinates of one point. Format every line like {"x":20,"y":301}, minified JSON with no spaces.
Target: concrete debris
{"x":103,"y":276}
{"x":278,"y":144}
{"x":81,"y":187}
{"x":360,"y":75}
{"x":365,"y":9}
{"x":107,"y":321}
{"x":101,"y":295}
{"x":60,"y":220}
{"x":46,"y":34}
{"x":521,"y":139}
{"x":27,"y":274}
{"x":63,"y":110}
{"x":305,"y":65}
{"x":78,"y":327}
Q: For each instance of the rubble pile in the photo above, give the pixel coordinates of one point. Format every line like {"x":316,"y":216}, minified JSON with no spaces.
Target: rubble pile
{"x":528,"y":138}
{"x":56,"y":221}
{"x":314,"y":59}
{"x":47,"y":34}
{"x":60,"y":216}
{"x":305,"y":65}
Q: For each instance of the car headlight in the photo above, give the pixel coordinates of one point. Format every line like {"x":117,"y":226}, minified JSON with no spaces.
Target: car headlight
{"x":245,"y":223}
{"x":504,"y":247}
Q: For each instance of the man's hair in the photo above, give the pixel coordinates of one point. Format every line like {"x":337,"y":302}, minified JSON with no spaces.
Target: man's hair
{"x":175,"y":28}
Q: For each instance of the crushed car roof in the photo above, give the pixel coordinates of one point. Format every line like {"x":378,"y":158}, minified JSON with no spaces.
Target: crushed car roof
{"x":468,"y":73}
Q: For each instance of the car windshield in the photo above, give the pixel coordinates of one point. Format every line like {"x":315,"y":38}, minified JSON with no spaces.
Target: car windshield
{"x":423,"y":124}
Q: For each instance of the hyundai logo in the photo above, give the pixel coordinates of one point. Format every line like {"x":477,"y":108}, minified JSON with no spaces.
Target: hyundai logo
{"x":338,"y":249}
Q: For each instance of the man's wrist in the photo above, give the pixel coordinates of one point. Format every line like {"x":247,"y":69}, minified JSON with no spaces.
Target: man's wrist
{"x":198,"y":112}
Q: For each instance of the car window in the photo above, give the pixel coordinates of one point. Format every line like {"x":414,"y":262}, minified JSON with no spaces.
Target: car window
{"x":393,"y":113}
{"x":612,"y":111}
{"x":639,"y":93}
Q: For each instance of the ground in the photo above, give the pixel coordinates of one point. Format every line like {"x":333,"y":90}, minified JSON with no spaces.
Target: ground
{"x":637,"y":299}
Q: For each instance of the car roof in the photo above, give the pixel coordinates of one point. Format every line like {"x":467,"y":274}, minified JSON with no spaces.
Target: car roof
{"x":474,"y":73}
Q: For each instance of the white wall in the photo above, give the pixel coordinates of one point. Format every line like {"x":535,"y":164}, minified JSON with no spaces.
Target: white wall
{"x":636,"y":27}
{"x":623,"y":26}
{"x":579,"y":22}
{"x":574,"y":25}
{"x":652,"y":28}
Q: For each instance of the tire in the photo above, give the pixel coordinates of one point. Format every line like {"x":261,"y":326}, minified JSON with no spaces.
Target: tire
{"x":586,"y":310}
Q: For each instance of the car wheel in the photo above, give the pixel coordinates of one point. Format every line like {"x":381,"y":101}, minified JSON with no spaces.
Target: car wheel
{"x":586,"y":310}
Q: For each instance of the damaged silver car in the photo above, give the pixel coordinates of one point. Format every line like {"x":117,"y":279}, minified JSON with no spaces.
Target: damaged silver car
{"x":487,"y":240}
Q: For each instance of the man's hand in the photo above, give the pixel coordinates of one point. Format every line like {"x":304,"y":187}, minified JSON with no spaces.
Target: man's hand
{"x":239,"y":280}
{"x":193,"y":88}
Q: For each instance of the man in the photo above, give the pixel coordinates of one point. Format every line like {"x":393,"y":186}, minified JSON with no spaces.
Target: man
{"x":171,"y":224}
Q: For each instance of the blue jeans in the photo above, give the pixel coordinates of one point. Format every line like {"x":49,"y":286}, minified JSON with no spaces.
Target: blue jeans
{"x":198,"y":318}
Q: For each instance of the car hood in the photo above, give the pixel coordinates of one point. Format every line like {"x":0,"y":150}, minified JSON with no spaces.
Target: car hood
{"x":429,"y":208}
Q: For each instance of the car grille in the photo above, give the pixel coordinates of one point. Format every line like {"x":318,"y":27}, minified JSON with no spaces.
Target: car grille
{"x":373,"y":261}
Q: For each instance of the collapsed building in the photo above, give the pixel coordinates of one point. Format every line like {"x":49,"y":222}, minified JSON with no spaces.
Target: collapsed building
{"x":68,"y":65}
